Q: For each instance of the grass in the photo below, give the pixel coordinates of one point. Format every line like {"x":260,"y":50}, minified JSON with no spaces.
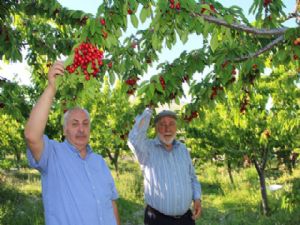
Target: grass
{"x":223,"y":203}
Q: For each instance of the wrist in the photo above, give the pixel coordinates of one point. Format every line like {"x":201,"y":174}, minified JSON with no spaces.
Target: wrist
{"x":51,"y":88}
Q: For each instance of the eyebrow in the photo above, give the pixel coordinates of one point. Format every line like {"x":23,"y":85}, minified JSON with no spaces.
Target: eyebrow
{"x":76,"y":120}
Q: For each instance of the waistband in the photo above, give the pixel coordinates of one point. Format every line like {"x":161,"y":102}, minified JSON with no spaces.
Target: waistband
{"x":188,"y":213}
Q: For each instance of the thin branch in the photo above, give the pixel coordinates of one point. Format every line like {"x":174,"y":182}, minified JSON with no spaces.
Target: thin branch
{"x":241,"y":27}
{"x":292,"y":15}
{"x":262,"y":50}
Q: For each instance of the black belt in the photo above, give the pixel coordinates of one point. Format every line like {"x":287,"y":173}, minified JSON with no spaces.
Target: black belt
{"x":149,"y":208}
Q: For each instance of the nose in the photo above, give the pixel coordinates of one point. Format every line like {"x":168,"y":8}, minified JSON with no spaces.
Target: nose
{"x":167,"y":128}
{"x":80,"y":128}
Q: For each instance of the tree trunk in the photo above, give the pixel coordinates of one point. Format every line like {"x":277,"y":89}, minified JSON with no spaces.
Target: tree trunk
{"x":114,"y":159}
{"x":229,"y":170}
{"x":262,"y":181}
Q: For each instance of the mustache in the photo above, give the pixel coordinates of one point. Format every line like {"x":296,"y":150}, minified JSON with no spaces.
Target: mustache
{"x":80,"y":135}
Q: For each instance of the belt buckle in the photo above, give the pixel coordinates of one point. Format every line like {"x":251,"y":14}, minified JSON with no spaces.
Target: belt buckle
{"x":176,"y":217}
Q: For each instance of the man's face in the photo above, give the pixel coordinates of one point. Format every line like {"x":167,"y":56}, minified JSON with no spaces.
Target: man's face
{"x":77,"y":129}
{"x":166,"y":129}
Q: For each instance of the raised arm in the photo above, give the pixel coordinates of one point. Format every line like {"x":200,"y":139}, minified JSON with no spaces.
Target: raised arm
{"x":137,"y":139}
{"x":36,"y":123}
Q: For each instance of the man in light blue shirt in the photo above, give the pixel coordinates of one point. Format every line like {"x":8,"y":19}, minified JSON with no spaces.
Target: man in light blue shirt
{"x":77,"y":186}
{"x":170,"y":183}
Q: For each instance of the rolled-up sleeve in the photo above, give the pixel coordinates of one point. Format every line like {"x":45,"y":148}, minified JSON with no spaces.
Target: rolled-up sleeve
{"x":40,"y":165}
{"x":195,"y":183}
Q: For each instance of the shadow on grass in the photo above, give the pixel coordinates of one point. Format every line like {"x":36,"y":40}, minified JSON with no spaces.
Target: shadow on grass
{"x":18,"y":208}
{"x":25,"y":176}
{"x":130,"y":212}
{"x":212,"y":188}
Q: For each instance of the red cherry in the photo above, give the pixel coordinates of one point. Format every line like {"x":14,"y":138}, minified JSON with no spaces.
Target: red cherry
{"x":225,"y":64}
{"x":212,"y":8}
{"x":295,"y":57}
{"x":130,"y":92}
{"x":129,"y":11}
{"x":102,"y":21}
{"x":104,"y":34}
{"x":133,"y":44}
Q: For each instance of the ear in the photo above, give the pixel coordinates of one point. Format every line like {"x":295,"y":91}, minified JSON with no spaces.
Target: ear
{"x":156,"y":128}
{"x":64,"y":132}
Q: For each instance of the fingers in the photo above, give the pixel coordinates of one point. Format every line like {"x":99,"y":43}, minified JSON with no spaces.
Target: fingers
{"x":197,"y":209}
{"x":197,"y":213}
{"x":57,"y":69}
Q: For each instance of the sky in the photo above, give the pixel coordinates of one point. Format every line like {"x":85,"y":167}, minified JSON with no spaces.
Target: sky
{"x":21,"y":72}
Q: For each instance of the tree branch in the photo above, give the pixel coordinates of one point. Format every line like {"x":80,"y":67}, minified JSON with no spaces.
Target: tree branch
{"x":262,"y":50}
{"x":241,"y":27}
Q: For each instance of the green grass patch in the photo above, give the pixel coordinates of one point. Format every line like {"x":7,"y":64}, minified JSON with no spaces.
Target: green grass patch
{"x":223,"y":202}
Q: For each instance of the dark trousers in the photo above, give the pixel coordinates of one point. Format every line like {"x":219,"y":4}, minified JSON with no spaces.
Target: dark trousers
{"x":154,"y":217}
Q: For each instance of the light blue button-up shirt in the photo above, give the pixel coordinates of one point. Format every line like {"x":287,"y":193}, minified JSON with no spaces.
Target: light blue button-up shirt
{"x":169,"y":177}
{"x":75,"y":191}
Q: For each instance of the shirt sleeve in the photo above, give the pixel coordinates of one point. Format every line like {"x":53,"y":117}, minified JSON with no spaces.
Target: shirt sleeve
{"x":195,"y":183}
{"x":40,"y":165}
{"x":137,"y":138}
{"x":114,"y":192}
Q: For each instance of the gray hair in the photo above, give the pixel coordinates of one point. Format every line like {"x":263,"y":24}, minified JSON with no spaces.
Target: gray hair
{"x":69,"y":111}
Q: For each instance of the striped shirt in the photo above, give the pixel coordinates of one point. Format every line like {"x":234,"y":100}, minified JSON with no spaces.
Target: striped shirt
{"x":170,"y":183}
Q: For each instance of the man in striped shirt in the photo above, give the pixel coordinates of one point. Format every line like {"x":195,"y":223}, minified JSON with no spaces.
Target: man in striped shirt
{"x":170,"y":183}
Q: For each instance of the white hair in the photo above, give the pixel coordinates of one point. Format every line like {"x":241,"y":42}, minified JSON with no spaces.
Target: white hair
{"x":68,"y":112}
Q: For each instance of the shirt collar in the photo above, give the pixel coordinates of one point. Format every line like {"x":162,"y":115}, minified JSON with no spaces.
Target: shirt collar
{"x":75,"y":150}
{"x":157,"y":142}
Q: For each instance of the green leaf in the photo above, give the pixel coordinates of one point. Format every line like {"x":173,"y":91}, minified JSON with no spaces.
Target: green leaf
{"x":69,"y":60}
{"x":151,"y":91}
{"x":229,"y":19}
{"x":93,"y":26}
{"x":142,"y":89}
{"x":143,"y":14}
{"x":112,"y":78}
{"x":89,"y":68}
{"x":214,"y":42}
{"x":155,"y":41}
{"x":134,"y":20}
{"x":169,"y":43}
{"x":177,"y":100}
{"x":136,"y":63}
{"x":184,"y":37}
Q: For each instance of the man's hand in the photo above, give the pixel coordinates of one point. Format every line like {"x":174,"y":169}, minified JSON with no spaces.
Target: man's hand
{"x":197,"y":209}
{"x":56,"y":69}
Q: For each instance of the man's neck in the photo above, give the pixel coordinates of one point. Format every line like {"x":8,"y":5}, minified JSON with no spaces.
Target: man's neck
{"x":82,"y":150}
{"x":169,"y":147}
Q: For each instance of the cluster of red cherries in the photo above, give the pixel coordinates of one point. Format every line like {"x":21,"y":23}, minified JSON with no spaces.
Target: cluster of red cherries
{"x":174,"y":5}
{"x":85,"y":54}
{"x":193,"y":115}
{"x":162,"y":82}
{"x":131,"y":82}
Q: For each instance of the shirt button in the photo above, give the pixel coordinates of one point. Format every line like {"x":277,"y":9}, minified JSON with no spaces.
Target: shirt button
{"x":94,"y":187}
{"x":98,"y":202}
